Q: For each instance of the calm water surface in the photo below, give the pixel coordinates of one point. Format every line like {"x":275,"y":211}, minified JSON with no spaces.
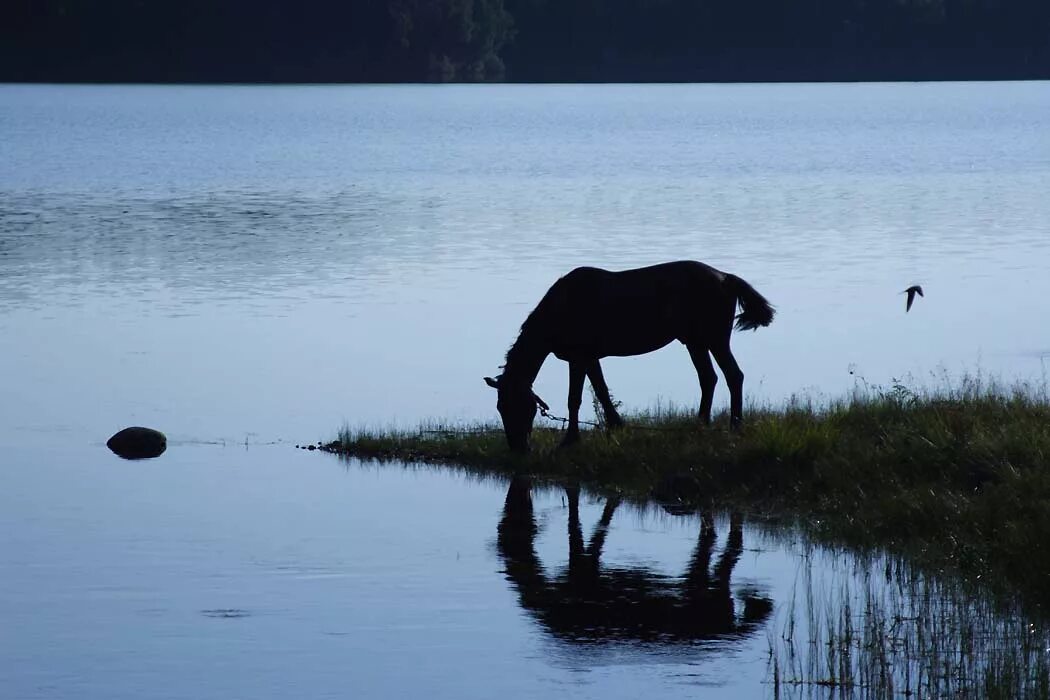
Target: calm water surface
{"x":246,"y":268}
{"x":264,"y":573}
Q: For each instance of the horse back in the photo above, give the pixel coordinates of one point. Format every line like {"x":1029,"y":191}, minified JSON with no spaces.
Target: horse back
{"x":600,"y":312}
{"x":684,"y":282}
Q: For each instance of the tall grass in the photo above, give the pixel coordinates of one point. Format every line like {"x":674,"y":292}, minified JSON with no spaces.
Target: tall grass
{"x":884,"y":630}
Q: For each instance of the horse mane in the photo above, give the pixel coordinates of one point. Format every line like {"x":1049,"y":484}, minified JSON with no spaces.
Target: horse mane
{"x":524,"y":346}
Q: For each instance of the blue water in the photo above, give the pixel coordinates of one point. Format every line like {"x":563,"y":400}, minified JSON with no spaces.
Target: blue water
{"x":247,"y":268}
{"x":263,"y":572}
{"x":230,"y":261}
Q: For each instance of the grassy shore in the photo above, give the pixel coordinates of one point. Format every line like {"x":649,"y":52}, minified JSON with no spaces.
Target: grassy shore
{"x":958,"y":477}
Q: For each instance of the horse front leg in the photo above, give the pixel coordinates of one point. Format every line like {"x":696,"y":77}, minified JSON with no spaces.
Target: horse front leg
{"x":601,"y":390}
{"x":577,"y":373}
{"x":576,"y":548}
{"x":705,"y":371}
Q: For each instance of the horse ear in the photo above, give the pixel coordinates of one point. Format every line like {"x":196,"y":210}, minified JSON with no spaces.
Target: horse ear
{"x":494,"y":383}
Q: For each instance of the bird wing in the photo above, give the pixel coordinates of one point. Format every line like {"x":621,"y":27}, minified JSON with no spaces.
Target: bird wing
{"x":911,"y":298}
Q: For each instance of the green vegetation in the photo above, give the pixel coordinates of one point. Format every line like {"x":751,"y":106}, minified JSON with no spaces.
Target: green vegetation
{"x":956,"y":478}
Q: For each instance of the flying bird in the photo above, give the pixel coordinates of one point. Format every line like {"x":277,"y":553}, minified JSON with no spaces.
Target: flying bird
{"x":911,"y":292}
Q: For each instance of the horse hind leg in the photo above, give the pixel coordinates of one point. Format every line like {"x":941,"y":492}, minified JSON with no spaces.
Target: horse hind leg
{"x":705,"y":371}
{"x":734,"y":378}
{"x":601,"y":390}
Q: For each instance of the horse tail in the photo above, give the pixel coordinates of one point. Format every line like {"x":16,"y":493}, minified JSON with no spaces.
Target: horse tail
{"x":756,"y":311}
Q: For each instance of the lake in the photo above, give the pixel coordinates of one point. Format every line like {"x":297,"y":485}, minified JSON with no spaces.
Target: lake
{"x":247,"y":268}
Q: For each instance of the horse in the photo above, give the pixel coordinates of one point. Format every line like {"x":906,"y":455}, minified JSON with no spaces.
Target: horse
{"x":592,"y":313}
{"x":589,"y":602}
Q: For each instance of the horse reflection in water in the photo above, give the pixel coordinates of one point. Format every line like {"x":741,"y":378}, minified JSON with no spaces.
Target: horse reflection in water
{"x":589,"y":602}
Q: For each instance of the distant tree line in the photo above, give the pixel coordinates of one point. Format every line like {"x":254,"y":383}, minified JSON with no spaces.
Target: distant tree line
{"x":521,"y":40}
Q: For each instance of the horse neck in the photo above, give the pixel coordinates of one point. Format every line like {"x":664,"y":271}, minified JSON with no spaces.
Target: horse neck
{"x":525,"y":358}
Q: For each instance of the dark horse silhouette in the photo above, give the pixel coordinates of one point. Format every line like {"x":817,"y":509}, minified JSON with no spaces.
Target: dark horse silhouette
{"x":588,"y":602}
{"x":591,"y":313}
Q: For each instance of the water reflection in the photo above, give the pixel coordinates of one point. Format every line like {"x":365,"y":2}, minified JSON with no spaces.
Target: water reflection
{"x":849,"y":623}
{"x":877,"y":626}
{"x":591,"y":603}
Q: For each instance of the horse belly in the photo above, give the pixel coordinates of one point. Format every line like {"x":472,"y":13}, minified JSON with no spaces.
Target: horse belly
{"x":625,"y":322}
{"x":598,"y":346}
{"x":627,"y":347}
{"x":636,"y":329}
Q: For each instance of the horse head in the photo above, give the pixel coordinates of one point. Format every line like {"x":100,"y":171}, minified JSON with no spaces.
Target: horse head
{"x":517,"y":406}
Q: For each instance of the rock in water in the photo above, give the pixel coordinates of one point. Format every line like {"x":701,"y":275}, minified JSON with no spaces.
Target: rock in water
{"x":138,"y":443}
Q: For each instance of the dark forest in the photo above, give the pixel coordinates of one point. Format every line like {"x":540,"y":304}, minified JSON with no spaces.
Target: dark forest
{"x":522,"y":40}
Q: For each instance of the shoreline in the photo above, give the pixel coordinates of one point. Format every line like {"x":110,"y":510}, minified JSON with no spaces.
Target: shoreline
{"x":958,"y":478}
